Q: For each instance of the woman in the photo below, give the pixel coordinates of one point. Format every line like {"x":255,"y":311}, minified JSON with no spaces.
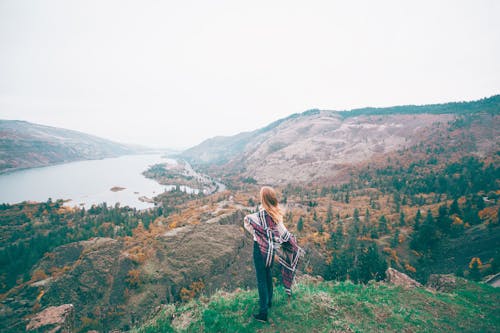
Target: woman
{"x":270,"y":235}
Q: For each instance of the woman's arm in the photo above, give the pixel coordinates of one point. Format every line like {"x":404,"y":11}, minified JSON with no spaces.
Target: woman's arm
{"x":248,"y":227}
{"x":282,"y":229}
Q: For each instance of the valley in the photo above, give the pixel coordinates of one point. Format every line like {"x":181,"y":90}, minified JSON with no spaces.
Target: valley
{"x":412,"y":188}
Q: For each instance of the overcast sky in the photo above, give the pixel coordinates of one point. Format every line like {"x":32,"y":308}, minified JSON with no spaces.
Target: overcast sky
{"x":173,"y":73}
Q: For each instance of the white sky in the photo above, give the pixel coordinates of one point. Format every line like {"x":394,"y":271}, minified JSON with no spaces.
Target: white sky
{"x":173,"y":73}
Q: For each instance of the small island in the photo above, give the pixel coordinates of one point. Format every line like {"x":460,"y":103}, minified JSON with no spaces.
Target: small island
{"x":116,"y":189}
{"x":146,"y":199}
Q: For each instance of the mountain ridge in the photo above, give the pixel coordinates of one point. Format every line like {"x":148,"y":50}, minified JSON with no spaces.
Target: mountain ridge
{"x":318,"y":145}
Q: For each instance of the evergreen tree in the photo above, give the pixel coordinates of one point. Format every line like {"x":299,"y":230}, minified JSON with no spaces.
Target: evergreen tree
{"x":382,"y":225}
{"x":300,"y":224}
{"x":340,"y":231}
{"x":371,"y":265}
{"x":367,"y":216}
{"x":418,"y":217}
{"x":426,"y":238}
{"x":395,"y":239}
{"x":429,"y":219}
{"x":443,"y":220}
{"x":454,"y":208}
{"x":397,"y":201}
{"x":402,"y":219}
{"x":329,"y":214}
{"x":338,"y":268}
{"x":356,"y":222}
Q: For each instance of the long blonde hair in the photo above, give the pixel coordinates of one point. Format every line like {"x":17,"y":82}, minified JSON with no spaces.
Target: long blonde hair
{"x":269,"y":201}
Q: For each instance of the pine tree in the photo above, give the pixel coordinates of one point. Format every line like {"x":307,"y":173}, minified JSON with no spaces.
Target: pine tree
{"x":418,"y":217}
{"x":356,"y":215}
{"x":429,"y":219}
{"x":371,"y":265}
{"x":382,"y":225}
{"x":339,"y":231}
{"x":402,"y":219}
{"x":426,"y":237}
{"x":356,"y":221}
{"x":395,"y":239}
{"x":443,"y":220}
{"x":454,"y":208}
{"x":300,"y":224}
{"x":329,"y":214}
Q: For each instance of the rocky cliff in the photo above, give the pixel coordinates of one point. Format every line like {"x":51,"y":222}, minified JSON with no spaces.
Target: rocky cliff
{"x":116,"y":283}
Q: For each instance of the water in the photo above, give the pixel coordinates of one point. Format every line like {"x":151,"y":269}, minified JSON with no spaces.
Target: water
{"x":88,"y":182}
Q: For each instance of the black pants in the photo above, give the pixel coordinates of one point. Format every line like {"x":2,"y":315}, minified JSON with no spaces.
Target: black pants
{"x":264,"y":279}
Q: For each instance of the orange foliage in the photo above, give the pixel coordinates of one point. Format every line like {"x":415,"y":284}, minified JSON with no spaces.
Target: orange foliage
{"x":477,"y":260}
{"x":392,"y":253}
{"x":134,"y":278}
{"x":38,"y":275}
{"x":194,"y":289}
{"x":488,"y":213}
{"x":137,"y":254}
{"x":401,"y":238}
{"x":410,"y":268}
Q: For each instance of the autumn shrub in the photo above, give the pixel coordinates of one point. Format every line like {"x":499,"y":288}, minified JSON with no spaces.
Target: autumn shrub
{"x":38,"y":275}
{"x":133,"y":278}
{"x":194,"y":289}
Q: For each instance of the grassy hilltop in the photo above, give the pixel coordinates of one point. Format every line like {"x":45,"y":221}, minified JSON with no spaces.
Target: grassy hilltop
{"x":339,"y":307}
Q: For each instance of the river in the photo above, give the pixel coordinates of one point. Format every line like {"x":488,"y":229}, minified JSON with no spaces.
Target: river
{"x":88,"y":182}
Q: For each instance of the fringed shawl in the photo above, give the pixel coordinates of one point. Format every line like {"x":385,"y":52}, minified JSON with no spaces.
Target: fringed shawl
{"x":269,"y":240}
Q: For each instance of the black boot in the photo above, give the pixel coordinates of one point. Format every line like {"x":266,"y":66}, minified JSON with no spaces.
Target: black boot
{"x":261,"y":317}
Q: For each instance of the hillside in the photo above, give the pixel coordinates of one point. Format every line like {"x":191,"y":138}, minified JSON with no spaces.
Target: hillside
{"x":27,"y":145}
{"x":320,"y":145}
{"x":50,"y":255}
{"x":416,"y":192}
{"x":339,"y":307}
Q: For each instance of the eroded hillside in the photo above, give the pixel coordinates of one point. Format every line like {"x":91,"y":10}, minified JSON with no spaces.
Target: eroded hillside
{"x":323,"y":146}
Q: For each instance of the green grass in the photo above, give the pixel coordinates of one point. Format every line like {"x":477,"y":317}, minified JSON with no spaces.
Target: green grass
{"x":339,"y":307}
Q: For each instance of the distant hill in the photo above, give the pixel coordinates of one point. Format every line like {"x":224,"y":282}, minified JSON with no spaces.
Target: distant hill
{"x":319,"y":145}
{"x":26,"y":145}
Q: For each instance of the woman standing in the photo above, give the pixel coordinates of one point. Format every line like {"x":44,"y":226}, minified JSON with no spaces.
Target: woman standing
{"x":270,"y":235}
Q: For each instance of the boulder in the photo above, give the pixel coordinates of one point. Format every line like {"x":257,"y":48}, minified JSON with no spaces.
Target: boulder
{"x":400,"y":279}
{"x":54,"y":319}
{"x":493,"y":280}
{"x":308,"y":279}
{"x":442,"y":282}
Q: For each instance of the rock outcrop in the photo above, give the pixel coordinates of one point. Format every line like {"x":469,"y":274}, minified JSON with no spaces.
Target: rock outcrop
{"x":54,"y":319}
{"x":493,"y":280}
{"x":112,"y":290}
{"x":442,"y":282}
{"x":400,"y":279}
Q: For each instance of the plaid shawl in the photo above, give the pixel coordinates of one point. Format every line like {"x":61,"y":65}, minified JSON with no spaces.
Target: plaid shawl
{"x":269,"y":240}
